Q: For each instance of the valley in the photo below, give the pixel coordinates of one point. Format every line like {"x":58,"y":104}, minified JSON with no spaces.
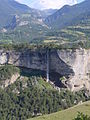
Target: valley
{"x":32,"y":26}
{"x":44,"y":61}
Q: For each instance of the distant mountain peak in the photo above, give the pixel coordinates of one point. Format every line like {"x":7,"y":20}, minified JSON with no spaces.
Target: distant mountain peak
{"x":48,"y":4}
{"x":64,"y":16}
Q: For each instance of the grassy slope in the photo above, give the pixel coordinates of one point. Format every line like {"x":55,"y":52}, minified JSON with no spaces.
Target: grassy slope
{"x":68,"y":114}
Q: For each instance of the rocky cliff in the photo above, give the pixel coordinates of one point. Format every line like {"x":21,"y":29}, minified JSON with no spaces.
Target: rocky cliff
{"x":79,"y":60}
{"x":73,"y":64}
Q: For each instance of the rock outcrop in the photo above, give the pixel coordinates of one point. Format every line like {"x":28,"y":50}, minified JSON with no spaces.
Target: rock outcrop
{"x":79,"y":60}
{"x":6,"y":83}
{"x":73,"y":64}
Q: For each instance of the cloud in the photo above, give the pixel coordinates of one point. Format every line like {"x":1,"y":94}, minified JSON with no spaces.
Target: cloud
{"x":46,"y":4}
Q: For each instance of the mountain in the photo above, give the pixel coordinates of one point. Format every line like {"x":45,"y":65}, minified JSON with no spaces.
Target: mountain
{"x":19,"y":22}
{"x":67,"y":15}
{"x":24,"y":24}
{"x":10,"y":8}
{"x":25,"y":29}
{"x":47,"y":12}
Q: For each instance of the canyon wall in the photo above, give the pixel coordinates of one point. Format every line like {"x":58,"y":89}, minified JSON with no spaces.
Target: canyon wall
{"x":73,"y":64}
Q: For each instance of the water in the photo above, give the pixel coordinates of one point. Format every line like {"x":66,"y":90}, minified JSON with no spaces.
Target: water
{"x":47,"y":65}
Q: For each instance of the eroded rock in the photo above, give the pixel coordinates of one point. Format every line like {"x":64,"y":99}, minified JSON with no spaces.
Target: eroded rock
{"x":73,"y":64}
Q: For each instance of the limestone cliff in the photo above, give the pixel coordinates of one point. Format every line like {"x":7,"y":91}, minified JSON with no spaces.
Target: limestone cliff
{"x":73,"y":64}
{"x":79,"y":60}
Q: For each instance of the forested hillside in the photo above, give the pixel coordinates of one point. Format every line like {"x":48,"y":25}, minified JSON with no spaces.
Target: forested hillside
{"x":68,"y":15}
{"x":31,"y":95}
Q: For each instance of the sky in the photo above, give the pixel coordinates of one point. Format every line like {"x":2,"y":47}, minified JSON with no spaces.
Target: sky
{"x":47,"y":4}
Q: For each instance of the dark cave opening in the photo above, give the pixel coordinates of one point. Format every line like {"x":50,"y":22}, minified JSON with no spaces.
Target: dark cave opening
{"x":54,"y":76}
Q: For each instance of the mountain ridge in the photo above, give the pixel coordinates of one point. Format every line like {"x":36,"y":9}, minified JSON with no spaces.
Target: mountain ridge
{"x":10,"y":8}
{"x":66,"y":14}
{"x":30,"y":25}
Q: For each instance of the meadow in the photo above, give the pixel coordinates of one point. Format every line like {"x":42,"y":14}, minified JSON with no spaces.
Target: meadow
{"x":67,"y":114}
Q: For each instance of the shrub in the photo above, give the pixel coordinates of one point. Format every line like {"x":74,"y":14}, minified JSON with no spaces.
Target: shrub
{"x":7,"y":71}
{"x":82,"y":116}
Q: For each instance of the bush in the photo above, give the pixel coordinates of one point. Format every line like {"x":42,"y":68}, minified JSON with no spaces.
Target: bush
{"x":82,"y":116}
{"x":7,"y":71}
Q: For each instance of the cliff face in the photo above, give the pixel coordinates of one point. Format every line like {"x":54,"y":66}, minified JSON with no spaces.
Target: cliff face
{"x":73,"y":64}
{"x":79,"y":61}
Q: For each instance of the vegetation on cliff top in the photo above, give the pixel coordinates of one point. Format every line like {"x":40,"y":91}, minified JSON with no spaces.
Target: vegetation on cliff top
{"x":26,"y":46}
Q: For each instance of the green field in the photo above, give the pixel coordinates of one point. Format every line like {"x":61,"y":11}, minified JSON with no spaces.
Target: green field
{"x":68,"y":114}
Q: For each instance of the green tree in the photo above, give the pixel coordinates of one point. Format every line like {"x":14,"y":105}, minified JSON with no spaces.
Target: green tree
{"x":82,"y":116}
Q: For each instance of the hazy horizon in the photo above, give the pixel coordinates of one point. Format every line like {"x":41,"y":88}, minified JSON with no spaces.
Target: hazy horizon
{"x":48,"y":4}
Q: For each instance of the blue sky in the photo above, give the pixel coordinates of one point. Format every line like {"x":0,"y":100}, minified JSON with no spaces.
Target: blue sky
{"x":46,"y":4}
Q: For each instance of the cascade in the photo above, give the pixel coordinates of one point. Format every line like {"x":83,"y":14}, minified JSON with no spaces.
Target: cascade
{"x":47,"y":65}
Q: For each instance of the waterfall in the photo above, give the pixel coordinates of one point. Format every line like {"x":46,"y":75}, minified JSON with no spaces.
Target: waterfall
{"x":47,"y":65}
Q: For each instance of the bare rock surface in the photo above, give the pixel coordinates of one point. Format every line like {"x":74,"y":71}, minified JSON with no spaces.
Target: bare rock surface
{"x":6,"y":83}
{"x":73,"y":64}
